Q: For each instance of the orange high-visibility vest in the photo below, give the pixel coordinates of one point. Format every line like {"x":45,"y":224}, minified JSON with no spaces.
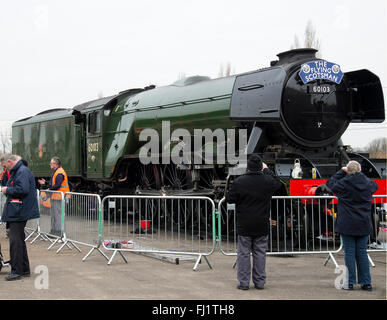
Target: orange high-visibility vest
{"x":64,"y":187}
{"x":44,"y":200}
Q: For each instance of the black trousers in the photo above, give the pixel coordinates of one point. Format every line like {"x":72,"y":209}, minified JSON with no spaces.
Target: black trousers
{"x":18,"y":249}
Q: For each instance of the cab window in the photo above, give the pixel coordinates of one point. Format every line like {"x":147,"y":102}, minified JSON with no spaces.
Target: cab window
{"x":94,"y":122}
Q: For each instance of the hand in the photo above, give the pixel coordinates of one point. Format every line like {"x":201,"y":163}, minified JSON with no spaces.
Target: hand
{"x":42,"y":181}
{"x":344,"y":169}
{"x":264,"y":166}
{"x":4,"y":190}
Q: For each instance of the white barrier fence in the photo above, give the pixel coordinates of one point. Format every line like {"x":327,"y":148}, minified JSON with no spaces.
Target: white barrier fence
{"x":183,"y":227}
{"x":298,"y":225}
{"x":301,"y":225}
{"x":82,"y":222}
{"x":159,"y":225}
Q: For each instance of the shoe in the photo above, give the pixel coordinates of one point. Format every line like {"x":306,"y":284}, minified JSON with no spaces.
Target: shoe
{"x":366,"y":287}
{"x":13,"y":276}
{"x":349,"y":287}
{"x":240,"y":287}
{"x":26,"y":274}
{"x":258,"y":287}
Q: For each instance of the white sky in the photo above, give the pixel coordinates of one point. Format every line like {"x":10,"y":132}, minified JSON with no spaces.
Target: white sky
{"x":62,"y":53}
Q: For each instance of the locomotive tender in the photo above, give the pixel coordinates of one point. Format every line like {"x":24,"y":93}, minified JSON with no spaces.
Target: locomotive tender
{"x":294,"y":111}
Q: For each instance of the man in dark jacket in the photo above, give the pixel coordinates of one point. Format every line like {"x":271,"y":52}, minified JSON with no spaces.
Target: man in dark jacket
{"x":354,"y":191}
{"x":252,"y":194}
{"x":21,"y":205}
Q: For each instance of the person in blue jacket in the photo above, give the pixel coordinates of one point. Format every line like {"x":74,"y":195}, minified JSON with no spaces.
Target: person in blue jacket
{"x":354,"y":192}
{"x":21,"y":205}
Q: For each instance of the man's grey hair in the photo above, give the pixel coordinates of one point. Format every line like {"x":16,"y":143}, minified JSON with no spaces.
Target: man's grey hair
{"x":56,"y":160}
{"x":353,"y":167}
{"x":9,"y":156}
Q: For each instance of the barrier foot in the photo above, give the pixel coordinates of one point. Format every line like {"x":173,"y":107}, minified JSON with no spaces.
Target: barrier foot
{"x":101,"y":252}
{"x":29,"y":236}
{"x":123,"y":257}
{"x":234,"y":264}
{"x":208,"y":262}
{"x":370,"y":260}
{"x":66,"y":243}
{"x":29,"y":233}
{"x":91,"y":251}
{"x":197,"y":263}
{"x":199,"y":260}
{"x":52,"y":244}
{"x":330,"y":256}
{"x":112,"y":257}
{"x":75,"y":246}
{"x":114,"y":254}
{"x":34,"y":239}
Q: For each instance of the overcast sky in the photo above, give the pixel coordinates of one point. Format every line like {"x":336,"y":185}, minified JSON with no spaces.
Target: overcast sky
{"x":60,"y":53}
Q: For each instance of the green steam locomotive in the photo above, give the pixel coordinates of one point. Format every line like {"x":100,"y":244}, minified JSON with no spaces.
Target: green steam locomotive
{"x":296,"y":109}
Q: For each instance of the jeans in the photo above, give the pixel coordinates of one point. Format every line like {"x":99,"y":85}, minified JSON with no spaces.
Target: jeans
{"x":356,"y":258}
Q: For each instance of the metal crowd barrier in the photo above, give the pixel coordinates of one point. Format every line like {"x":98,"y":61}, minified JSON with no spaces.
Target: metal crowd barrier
{"x":302,"y":225}
{"x":378,"y":238}
{"x":82,"y":222}
{"x":157,"y":225}
{"x":32,"y":226}
{"x":186,"y":226}
{"x":51,"y":221}
{"x":298,"y":225}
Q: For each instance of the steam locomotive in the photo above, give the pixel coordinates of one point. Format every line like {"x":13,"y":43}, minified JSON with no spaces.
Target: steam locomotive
{"x":294,"y":113}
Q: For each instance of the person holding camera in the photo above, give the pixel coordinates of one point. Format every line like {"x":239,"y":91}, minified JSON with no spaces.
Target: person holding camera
{"x":354,"y":191}
{"x":252,"y":194}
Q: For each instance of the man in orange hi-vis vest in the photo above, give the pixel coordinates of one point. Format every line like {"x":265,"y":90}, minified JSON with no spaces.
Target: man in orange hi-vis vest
{"x":58,"y":182}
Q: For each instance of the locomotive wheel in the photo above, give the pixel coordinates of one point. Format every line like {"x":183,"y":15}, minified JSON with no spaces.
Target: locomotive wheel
{"x":150,"y":177}
{"x":207,"y":177}
{"x":174,"y":179}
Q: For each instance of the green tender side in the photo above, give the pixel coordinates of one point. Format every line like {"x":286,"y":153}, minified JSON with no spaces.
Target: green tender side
{"x":37,"y":139}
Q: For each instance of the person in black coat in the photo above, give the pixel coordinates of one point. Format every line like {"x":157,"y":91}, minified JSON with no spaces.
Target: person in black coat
{"x":252,"y":194}
{"x":354,"y":191}
{"x":21,"y":205}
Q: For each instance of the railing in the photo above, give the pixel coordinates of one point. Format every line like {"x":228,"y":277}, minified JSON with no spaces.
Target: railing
{"x":159,"y":225}
{"x":298,"y":225}
{"x":187,"y":227}
{"x":82,"y":222}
